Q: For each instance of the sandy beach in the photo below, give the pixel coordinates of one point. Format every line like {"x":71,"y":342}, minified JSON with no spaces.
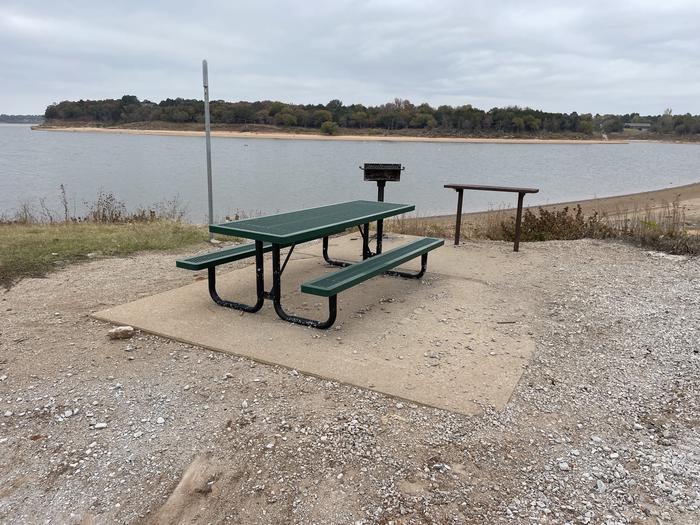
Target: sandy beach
{"x":310,"y":136}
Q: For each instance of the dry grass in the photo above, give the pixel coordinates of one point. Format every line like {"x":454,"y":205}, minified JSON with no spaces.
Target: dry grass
{"x":664,"y":228}
{"x":36,"y":241}
{"x":32,"y":250}
{"x":416,"y":225}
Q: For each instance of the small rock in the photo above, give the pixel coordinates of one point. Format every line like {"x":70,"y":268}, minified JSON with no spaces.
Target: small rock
{"x":564,"y":466}
{"x":3,"y":377}
{"x":399,"y":405}
{"x":599,"y":486}
{"x":100,"y":426}
{"x":8,"y":413}
{"x":121,"y":332}
{"x":160,"y":421}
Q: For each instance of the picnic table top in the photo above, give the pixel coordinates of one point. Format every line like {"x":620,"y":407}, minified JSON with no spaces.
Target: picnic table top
{"x":311,"y":223}
{"x":490,"y":188}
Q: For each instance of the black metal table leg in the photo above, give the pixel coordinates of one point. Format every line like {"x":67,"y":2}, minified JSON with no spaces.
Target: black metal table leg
{"x":330,"y":261}
{"x":277,"y":298}
{"x":259,"y":281}
{"x":458,"y":224}
{"x":366,"y":252}
{"x":518,"y":220}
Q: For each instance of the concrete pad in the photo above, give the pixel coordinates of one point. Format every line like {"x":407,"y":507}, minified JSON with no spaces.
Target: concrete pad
{"x":435,"y":341}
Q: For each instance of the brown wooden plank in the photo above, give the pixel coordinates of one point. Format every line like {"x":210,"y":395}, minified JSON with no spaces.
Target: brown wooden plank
{"x":491,"y":188}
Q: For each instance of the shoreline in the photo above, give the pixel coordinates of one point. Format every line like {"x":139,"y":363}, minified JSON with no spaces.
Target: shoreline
{"x":305,"y":136}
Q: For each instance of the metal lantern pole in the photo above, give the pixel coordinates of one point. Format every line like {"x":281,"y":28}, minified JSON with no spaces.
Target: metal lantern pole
{"x":207,"y":134}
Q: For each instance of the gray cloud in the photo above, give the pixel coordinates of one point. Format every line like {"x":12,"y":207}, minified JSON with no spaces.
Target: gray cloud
{"x":591,"y":56}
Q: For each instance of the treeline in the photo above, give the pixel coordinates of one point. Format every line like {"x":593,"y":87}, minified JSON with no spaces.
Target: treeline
{"x":397,"y":115}
{"x":21,"y":119}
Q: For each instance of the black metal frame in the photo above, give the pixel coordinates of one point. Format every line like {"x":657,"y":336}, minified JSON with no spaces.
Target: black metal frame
{"x":277,"y":297}
{"x":365,"y":249}
{"x":276,"y":293}
{"x":407,"y":275}
{"x":366,"y":252}
{"x":332,"y":262}
{"x":259,"y":281}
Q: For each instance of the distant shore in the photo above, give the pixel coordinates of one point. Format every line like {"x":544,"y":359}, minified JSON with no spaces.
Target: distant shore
{"x":310,"y":136}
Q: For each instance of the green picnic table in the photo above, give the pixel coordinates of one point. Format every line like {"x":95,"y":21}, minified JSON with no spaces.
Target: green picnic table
{"x":286,"y":230}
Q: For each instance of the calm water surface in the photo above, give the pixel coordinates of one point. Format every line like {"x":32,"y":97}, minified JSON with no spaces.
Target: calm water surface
{"x":267,"y":175}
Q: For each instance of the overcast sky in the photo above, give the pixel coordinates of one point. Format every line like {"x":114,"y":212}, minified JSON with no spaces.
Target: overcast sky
{"x":588,"y":56}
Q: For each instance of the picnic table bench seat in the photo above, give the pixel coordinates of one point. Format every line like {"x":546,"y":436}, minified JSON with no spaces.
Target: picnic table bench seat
{"x":336,"y":282}
{"x":227,"y":255}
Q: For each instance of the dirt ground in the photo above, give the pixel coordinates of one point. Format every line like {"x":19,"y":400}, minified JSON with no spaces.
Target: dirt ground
{"x":603,"y":426}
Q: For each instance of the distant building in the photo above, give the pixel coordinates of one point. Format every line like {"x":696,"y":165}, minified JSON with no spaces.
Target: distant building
{"x":641,"y":126}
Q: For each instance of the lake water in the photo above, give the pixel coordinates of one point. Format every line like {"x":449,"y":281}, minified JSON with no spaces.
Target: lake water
{"x":267,"y":175}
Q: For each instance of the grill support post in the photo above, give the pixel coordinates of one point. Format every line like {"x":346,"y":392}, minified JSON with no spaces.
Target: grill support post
{"x":380,"y":223}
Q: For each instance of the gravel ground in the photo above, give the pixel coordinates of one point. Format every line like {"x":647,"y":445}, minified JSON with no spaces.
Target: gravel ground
{"x":602,"y":428}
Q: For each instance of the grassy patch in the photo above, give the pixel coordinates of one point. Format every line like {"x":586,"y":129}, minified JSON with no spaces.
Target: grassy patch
{"x":417,"y":225}
{"x":32,"y":250}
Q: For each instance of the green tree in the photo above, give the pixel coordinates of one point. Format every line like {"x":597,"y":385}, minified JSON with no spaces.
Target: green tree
{"x":285,"y":119}
{"x":320,"y":116}
{"x":532,"y":123}
{"x":358,"y":119}
{"x":329,"y":127}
